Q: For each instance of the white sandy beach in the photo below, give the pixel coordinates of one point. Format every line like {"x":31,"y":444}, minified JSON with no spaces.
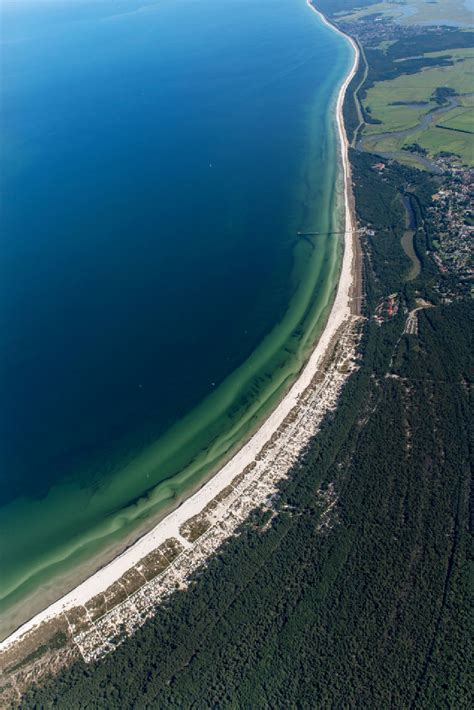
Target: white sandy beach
{"x":171,"y":524}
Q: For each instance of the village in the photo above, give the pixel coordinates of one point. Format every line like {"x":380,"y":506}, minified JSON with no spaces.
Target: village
{"x":451,"y":219}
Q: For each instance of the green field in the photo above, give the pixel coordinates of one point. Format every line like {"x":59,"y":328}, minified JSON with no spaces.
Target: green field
{"x":412,"y":12}
{"x":459,"y":119}
{"x":404,"y":104}
{"x":384,"y":8}
{"x":433,"y":140}
{"x":415,"y":88}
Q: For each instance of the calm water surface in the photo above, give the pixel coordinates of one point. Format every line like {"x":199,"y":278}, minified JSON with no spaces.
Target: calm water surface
{"x":158,"y":159}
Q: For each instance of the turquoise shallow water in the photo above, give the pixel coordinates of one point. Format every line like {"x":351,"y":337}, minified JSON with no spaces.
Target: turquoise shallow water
{"x":158,"y":160}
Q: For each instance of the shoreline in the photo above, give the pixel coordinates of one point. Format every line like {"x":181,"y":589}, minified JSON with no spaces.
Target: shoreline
{"x":170,"y":525}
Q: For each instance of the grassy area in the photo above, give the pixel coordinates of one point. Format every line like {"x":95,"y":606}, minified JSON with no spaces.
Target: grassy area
{"x":437,"y":139}
{"x":402,"y":103}
{"x":393,"y":117}
{"x":419,"y":11}
{"x":408,"y":248}
{"x":384,"y":8}
{"x":433,"y":140}
{"x":385,"y":44}
{"x":416,"y":88}
{"x":459,"y":119}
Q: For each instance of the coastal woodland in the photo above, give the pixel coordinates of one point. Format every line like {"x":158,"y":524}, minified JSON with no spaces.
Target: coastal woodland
{"x":364,"y":603}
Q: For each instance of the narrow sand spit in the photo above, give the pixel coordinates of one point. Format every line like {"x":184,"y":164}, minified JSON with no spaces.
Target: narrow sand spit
{"x":170,"y":526}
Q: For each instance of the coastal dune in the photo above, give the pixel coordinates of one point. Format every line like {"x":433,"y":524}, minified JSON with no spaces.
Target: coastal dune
{"x":341,"y":311}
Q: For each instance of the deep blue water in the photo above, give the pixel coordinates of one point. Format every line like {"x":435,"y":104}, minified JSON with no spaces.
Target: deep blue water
{"x":152,"y":159}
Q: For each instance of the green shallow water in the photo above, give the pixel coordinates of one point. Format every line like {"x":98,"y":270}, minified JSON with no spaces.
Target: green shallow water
{"x":102,"y":499}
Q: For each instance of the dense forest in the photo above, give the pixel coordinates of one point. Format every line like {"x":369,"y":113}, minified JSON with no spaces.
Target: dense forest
{"x":370,"y":609}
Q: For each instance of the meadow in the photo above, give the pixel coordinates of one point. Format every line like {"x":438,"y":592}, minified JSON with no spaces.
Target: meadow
{"x":403,"y":108}
{"x":450,"y":12}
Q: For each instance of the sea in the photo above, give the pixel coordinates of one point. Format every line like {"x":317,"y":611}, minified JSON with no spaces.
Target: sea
{"x":169,"y":226}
